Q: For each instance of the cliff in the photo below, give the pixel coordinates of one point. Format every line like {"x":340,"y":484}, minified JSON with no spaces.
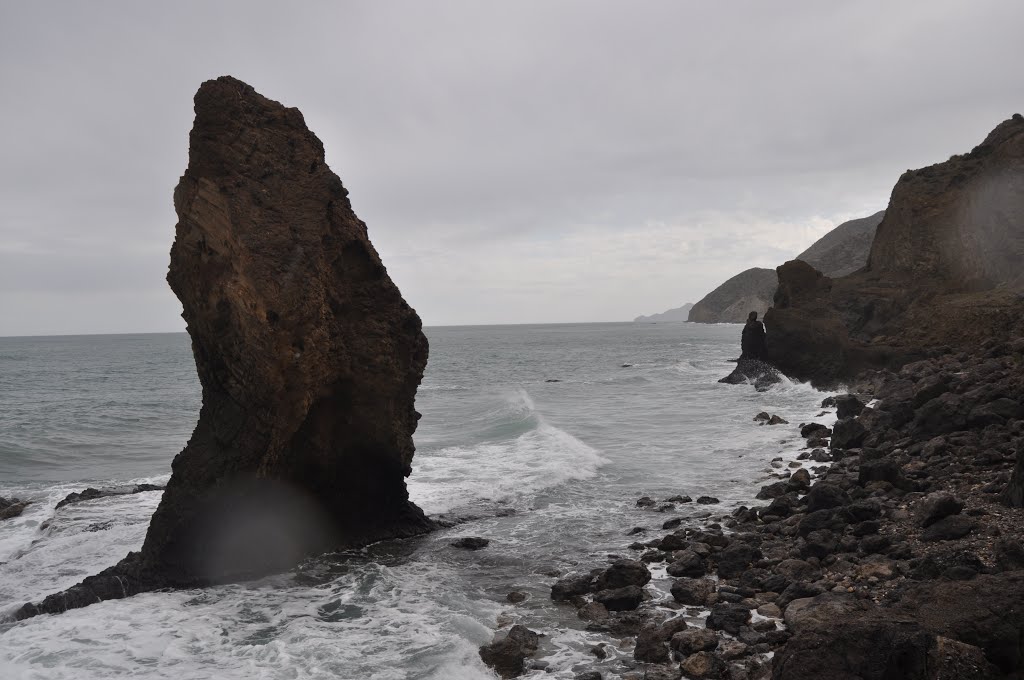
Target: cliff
{"x":943,"y":273}
{"x":675,"y":314}
{"x":308,"y":356}
{"x":748,"y":291}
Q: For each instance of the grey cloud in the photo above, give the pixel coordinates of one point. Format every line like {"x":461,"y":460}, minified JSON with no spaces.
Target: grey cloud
{"x":469,"y":131}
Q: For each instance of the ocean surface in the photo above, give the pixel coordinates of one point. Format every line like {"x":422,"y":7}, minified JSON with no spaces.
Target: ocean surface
{"x":551,"y":471}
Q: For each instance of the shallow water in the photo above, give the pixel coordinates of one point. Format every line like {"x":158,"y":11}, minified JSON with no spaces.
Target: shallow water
{"x":570,"y":458}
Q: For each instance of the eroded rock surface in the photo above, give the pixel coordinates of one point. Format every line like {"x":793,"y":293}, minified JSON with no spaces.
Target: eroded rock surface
{"x":308,"y":356}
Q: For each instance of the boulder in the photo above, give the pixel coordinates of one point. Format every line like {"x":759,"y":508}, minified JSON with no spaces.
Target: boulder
{"x":704,"y":665}
{"x":308,"y":357}
{"x":694,"y":640}
{"x":735,"y":559}
{"x":728,"y":617}
{"x":687,"y":563}
{"x":848,"y":433}
{"x":693,"y":591}
{"x":824,"y":495}
{"x":848,"y":406}
{"x":11,"y":507}
{"x":949,"y":528}
{"x":936,"y":506}
{"x":470,"y":543}
{"x":622,"y":599}
{"x":623,"y":573}
{"x":507,"y":654}
{"x":571,"y":586}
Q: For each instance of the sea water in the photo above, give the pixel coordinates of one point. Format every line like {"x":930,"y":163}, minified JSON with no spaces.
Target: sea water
{"x":543,"y":436}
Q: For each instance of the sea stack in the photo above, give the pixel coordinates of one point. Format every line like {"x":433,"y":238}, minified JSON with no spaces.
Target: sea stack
{"x":308,"y":356}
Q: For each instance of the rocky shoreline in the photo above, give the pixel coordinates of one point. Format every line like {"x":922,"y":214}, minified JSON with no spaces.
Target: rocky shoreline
{"x":903,"y":558}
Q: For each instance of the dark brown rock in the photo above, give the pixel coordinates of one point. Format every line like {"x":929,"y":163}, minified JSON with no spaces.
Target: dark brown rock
{"x":943,"y":272}
{"x":507,"y":654}
{"x":308,"y":356}
{"x":11,"y":507}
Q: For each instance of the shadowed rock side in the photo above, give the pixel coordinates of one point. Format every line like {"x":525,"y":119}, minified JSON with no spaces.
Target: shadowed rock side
{"x":943,"y":274}
{"x":308,"y":356}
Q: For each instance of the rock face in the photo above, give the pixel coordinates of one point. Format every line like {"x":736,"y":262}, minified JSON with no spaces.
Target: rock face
{"x":943,"y":272}
{"x":674,"y":314}
{"x":748,"y":291}
{"x":308,"y":356}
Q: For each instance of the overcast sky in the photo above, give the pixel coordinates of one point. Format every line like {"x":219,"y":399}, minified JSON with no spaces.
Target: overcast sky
{"x":526,"y":161}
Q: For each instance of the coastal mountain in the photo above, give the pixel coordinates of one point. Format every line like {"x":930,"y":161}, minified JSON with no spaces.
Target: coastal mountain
{"x":841,"y":251}
{"x":308,"y":356}
{"x":677,"y":314}
{"x":731,"y":302}
{"x":943,"y":272}
{"x":845,"y":249}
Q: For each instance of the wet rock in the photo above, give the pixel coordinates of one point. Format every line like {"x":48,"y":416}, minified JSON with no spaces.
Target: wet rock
{"x":728,"y":617}
{"x":848,"y":433}
{"x":589,"y":675}
{"x":90,"y":494}
{"x":848,"y":406}
{"x":762,"y":417}
{"x":570,"y":586}
{"x":816,"y":612}
{"x":824,"y":495}
{"x":774,"y":490}
{"x":777,"y":420}
{"x":659,"y":673}
{"x":593,"y":611}
{"x":652,"y":642}
{"x":620,"y":599}
{"x":707,"y":500}
{"x":704,"y":665}
{"x":796,"y":570}
{"x":687,"y":563}
{"x":646,"y":502}
{"x":672,"y":523}
{"x":11,"y":507}
{"x":883,"y":471}
{"x":507,"y":654}
{"x":815,"y":430}
{"x":796,"y":591}
{"x":623,"y":573}
{"x":516,"y":596}
{"x":470,"y":543}
{"x":694,"y":640}
{"x":800,"y":480}
{"x":735,"y":559}
{"x":693,"y":591}
{"x":936,"y":506}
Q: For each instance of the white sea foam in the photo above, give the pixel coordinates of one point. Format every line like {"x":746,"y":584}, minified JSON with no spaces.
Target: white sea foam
{"x":502,"y":471}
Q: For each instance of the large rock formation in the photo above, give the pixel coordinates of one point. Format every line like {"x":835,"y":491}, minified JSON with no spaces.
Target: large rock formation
{"x":748,"y":291}
{"x":308,"y":356}
{"x":943,"y":273}
{"x":839,"y":252}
